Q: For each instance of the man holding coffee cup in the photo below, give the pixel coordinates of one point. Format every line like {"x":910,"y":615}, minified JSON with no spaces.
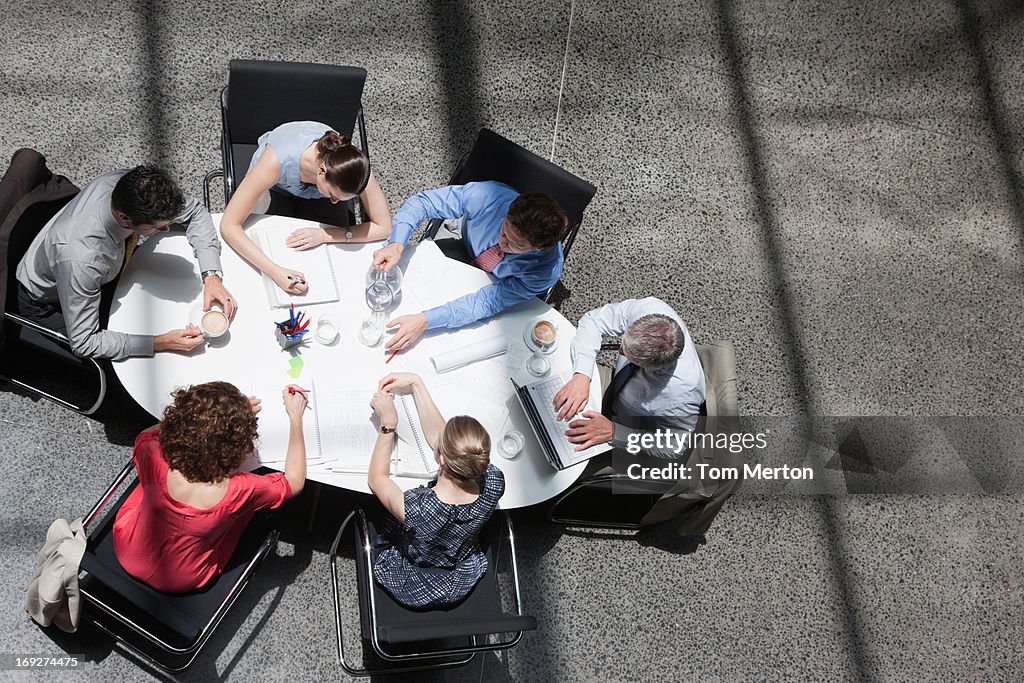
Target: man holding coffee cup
{"x":87,"y":244}
{"x":515,"y":237}
{"x":658,"y":378}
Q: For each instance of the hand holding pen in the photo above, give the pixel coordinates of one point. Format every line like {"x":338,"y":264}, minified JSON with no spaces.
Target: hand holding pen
{"x":291,"y":281}
{"x":295,"y":400}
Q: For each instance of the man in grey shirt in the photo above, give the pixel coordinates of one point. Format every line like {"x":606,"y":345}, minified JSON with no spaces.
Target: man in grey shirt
{"x":83,"y":248}
{"x":658,"y":380}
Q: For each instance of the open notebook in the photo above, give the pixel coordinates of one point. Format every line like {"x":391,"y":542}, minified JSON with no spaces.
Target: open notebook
{"x":315,"y":264}
{"x":413,"y":455}
{"x":338,"y":429}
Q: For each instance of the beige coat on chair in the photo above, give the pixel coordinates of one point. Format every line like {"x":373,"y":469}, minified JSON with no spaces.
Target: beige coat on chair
{"x":53,"y":596}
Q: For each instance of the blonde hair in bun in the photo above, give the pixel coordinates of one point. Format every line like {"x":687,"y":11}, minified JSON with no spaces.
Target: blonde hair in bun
{"x":466,"y":448}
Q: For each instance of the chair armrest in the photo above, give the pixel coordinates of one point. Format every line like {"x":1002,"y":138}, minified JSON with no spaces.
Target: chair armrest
{"x":210,"y":175}
{"x":36,"y":327}
{"x":128,"y":469}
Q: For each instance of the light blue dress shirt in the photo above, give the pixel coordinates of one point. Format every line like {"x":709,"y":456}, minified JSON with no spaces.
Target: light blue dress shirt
{"x":289,"y":141}
{"x":670,"y":396}
{"x":484,"y":206}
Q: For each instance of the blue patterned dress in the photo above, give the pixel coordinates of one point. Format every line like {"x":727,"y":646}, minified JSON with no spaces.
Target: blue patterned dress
{"x":434,"y":559}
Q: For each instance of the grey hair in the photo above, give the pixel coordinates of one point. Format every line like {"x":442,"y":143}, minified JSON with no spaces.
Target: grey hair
{"x":653,"y":341}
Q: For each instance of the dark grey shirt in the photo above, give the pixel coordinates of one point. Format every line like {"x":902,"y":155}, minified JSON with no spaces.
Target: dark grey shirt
{"x":82,"y":248}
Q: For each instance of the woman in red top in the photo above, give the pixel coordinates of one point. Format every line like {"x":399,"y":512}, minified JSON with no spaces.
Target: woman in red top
{"x":179,"y":527}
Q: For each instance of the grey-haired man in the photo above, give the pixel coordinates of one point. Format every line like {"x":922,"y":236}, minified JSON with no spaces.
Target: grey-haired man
{"x":658,"y":378}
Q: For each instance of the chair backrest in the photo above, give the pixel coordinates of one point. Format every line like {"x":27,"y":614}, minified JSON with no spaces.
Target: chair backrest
{"x":496,"y":158}
{"x":261,"y":95}
{"x":718,"y":359}
{"x":30,"y":195}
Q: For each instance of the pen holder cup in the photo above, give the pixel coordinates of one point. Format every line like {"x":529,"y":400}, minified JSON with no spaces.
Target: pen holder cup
{"x":285,"y":342}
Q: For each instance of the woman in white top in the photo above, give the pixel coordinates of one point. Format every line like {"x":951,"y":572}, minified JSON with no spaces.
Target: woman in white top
{"x":308,"y":160}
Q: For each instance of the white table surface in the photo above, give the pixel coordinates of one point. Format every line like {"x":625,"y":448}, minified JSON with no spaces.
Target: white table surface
{"x":160,"y":290}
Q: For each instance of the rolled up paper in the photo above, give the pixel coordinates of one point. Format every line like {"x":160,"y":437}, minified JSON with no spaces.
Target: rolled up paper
{"x":464,"y":355}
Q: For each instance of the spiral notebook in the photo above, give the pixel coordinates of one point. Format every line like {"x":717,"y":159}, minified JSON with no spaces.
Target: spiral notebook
{"x":314,"y":263}
{"x":413,"y":456}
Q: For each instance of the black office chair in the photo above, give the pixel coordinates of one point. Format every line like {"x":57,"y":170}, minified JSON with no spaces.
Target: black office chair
{"x":168,"y":630}
{"x":402,"y":639}
{"x":30,"y":195}
{"x":260,"y":96}
{"x":613,"y":500}
{"x":496,"y":158}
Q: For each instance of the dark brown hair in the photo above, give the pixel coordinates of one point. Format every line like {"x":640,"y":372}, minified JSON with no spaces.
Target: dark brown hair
{"x":539,"y":219}
{"x":208,"y":431}
{"x":348,"y":169}
{"x":147,"y":195}
{"x":466,"y":447}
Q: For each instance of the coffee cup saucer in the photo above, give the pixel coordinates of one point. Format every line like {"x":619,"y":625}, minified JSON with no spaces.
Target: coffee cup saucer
{"x":532,"y":345}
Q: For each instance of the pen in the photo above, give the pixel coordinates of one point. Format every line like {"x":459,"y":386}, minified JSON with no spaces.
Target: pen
{"x":296,"y":279}
{"x":393,"y":354}
{"x":293,"y":390}
{"x":291,"y":314}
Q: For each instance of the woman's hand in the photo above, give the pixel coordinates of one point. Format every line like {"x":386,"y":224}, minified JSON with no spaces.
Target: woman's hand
{"x":291,"y":281}
{"x":294,"y":401}
{"x":256,"y":404}
{"x":306,"y":238}
{"x":384,"y":405}
{"x":399,"y":380}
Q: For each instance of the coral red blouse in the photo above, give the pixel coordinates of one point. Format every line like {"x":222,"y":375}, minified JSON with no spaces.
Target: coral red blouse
{"x":175,"y":547}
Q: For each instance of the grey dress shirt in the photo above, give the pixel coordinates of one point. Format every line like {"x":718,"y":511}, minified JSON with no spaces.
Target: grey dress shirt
{"x":670,"y":396}
{"x":82,"y":248}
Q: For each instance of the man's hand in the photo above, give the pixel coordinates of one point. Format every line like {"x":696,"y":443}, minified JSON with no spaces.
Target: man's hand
{"x":387,"y":257}
{"x":571,"y":398}
{"x":256,"y":404}
{"x":410,"y":327}
{"x":291,"y":281}
{"x":179,"y":340}
{"x":594,"y":429}
{"x":214,"y":290}
{"x":306,"y":238}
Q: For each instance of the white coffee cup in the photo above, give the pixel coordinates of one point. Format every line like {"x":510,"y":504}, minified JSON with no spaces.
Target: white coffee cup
{"x":214,"y":322}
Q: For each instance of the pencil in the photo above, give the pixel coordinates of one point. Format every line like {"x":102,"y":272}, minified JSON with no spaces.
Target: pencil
{"x":293,"y":390}
{"x":393,"y":354}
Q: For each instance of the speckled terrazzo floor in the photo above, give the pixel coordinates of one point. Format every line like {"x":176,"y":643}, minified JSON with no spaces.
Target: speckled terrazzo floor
{"x":834,"y":186}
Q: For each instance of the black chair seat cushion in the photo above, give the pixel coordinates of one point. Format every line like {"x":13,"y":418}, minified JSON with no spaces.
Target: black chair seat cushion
{"x":178,"y":618}
{"x":478,"y":614}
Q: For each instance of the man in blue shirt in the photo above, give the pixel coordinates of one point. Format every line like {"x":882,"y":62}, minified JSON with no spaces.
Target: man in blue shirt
{"x":515,"y":237}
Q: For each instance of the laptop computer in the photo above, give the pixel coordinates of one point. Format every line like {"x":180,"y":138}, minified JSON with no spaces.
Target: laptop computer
{"x":536,"y":398}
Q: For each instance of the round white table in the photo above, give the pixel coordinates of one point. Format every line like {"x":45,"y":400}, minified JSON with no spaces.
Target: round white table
{"x":160,"y":290}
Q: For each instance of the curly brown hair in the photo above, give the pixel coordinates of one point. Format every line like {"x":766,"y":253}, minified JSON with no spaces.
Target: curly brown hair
{"x":208,"y":431}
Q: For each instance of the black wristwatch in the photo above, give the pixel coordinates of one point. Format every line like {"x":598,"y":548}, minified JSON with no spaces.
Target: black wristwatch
{"x":386,"y":430}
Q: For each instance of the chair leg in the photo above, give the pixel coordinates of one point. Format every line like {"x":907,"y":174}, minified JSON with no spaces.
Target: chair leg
{"x":82,"y":410}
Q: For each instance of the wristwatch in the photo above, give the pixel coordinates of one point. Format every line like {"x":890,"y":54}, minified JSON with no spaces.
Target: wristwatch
{"x":387,"y":430}
{"x":348,"y":235}
{"x":207,"y":273}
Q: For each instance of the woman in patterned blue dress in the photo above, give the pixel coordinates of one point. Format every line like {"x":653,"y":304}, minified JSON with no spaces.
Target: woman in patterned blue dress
{"x":429,"y":553}
{"x":308,"y":160}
